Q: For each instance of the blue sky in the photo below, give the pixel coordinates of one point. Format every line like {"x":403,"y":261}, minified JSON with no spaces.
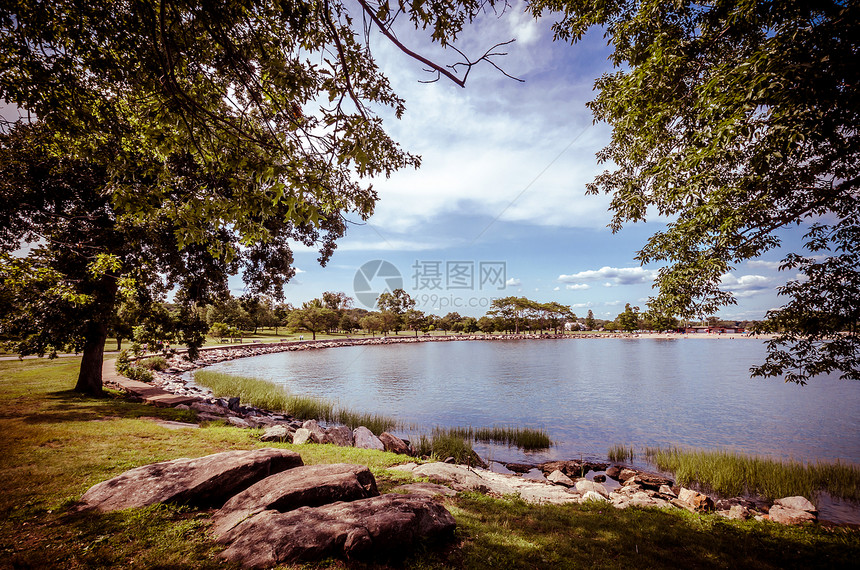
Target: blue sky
{"x":502,"y":184}
{"x":503,"y":180}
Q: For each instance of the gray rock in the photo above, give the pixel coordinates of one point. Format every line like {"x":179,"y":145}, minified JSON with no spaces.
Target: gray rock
{"x":277,"y":433}
{"x":365,"y":439}
{"x":340,"y":436}
{"x":785,"y":515}
{"x":796,"y":503}
{"x":302,"y":435}
{"x":626,"y":474}
{"x":695,"y":501}
{"x":353,"y":529}
{"x":739,"y":512}
{"x":202,"y":481}
{"x":307,"y":486}
{"x":209,"y":408}
{"x":559,"y":478}
{"x":651,"y":480}
{"x":317,"y":433}
{"x":594,"y":496}
{"x":394,"y":444}
{"x":584,"y":486}
{"x":238,"y":422}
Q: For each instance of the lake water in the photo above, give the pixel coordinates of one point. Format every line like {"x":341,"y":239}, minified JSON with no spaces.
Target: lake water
{"x":587,"y":393}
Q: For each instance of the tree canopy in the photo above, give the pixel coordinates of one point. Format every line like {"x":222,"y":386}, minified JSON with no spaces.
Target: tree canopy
{"x":181,"y":142}
{"x":734,"y":120}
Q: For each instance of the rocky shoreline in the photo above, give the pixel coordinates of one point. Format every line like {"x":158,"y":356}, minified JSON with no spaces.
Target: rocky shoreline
{"x":562,"y":481}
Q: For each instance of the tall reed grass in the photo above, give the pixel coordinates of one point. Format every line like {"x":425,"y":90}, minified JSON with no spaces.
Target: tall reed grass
{"x":731,"y":474}
{"x":621,"y":453}
{"x":270,"y":396}
{"x":524,"y":438}
{"x":442,"y":444}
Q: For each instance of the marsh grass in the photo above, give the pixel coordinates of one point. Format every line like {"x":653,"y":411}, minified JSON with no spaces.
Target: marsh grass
{"x":524,"y":438}
{"x":270,"y":396}
{"x":731,"y":474}
{"x":621,"y":453}
{"x":442,"y":444}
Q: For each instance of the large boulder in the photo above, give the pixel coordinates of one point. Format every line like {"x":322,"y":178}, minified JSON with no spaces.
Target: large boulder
{"x":307,"y":486}
{"x":695,"y":501}
{"x":377,"y":525}
{"x":559,"y":478}
{"x":203,"y":481}
{"x":279,"y":433}
{"x":394,"y":444}
{"x":317,"y":433}
{"x":585,"y":486}
{"x":340,"y":436}
{"x":785,"y":515}
{"x":302,"y":436}
{"x":365,"y":439}
{"x":796,"y":503}
{"x":651,"y":480}
{"x":793,"y":510}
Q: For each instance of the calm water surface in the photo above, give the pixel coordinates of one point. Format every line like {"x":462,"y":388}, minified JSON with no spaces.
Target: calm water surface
{"x":588,"y":393}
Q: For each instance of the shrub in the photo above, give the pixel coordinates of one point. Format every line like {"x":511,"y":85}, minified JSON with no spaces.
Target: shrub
{"x":154,"y":363}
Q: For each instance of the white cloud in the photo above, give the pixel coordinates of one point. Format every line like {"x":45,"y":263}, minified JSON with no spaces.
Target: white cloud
{"x":616,"y":275}
{"x":513,"y":282}
{"x":763,"y":264}
{"x":556,"y":289}
{"x":745,"y":285}
{"x":577,"y":287}
{"x":298,"y":271}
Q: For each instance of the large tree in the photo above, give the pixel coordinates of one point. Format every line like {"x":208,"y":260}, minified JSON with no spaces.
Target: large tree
{"x":736,"y":119}
{"x":175,"y":142}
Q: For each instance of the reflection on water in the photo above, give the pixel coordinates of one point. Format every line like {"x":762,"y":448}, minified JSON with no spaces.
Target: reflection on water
{"x":588,"y":393}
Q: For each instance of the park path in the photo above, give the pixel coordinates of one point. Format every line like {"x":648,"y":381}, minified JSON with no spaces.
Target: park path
{"x":147,"y":392}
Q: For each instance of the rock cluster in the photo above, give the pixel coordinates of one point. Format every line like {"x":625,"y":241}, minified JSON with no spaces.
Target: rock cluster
{"x":272,"y":509}
{"x":638,"y":489}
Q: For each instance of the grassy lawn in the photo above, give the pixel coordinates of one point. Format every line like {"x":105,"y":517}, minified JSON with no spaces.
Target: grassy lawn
{"x":56,"y":444}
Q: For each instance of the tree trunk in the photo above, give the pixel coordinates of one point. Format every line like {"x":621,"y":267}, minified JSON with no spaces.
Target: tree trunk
{"x":90,"y":376}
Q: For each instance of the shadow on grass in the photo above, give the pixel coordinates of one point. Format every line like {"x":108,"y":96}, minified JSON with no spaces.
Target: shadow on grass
{"x":71,"y":406}
{"x":512,"y":534}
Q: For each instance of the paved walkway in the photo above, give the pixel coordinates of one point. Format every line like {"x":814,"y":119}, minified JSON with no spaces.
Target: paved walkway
{"x":147,"y":392}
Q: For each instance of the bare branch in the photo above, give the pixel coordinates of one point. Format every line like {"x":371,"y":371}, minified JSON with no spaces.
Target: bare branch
{"x":434,"y":67}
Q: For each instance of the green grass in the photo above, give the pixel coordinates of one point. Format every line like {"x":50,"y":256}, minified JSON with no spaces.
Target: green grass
{"x":731,"y":474}
{"x":56,"y":444}
{"x":270,"y":396}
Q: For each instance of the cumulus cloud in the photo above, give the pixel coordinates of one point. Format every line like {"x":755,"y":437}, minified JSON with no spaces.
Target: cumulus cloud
{"x":614,"y":275}
{"x":513,"y":282}
{"x":745,"y":285}
{"x":577,"y":287}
